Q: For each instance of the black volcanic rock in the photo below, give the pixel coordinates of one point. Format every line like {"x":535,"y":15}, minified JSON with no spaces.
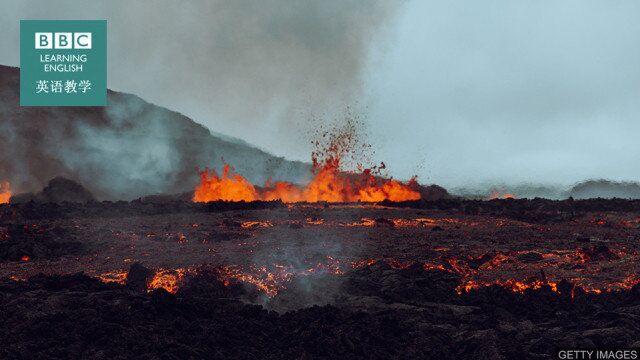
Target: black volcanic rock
{"x":23,"y":198}
{"x":24,"y":243}
{"x":138,"y":277}
{"x":433,"y":192}
{"x":58,"y":190}
{"x":75,"y":316}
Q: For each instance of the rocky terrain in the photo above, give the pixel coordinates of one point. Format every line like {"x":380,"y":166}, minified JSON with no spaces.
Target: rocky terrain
{"x":448,"y":279}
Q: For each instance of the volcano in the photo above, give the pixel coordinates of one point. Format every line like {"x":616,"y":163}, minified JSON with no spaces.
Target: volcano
{"x":124,"y":151}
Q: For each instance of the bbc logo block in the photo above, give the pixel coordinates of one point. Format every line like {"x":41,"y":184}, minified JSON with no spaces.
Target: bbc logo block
{"x":63,"y":40}
{"x":63,"y":62}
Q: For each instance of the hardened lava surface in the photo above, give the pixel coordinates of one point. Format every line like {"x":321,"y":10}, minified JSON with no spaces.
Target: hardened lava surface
{"x":448,"y":280}
{"x":482,"y":242}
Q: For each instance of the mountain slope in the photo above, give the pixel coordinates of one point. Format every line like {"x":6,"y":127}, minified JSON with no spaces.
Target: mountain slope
{"x":126,"y":150}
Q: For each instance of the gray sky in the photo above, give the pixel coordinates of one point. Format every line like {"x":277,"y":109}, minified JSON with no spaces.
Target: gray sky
{"x":460,"y":93}
{"x":510,"y":91}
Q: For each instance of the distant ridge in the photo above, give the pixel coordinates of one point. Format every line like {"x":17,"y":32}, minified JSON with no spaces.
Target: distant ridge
{"x":587,"y":189}
{"x":605,"y":189}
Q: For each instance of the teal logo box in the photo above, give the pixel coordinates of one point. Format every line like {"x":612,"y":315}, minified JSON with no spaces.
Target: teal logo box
{"x":63,"y":62}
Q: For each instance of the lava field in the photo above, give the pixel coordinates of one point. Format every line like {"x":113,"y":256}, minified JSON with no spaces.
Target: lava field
{"x":447,"y":279}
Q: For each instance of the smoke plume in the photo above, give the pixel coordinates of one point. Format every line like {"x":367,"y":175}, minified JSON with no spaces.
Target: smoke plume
{"x":258,"y":70}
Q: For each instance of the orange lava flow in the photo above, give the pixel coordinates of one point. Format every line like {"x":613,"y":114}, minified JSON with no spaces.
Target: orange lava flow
{"x":119,"y":277}
{"x":229,"y":186}
{"x":329,"y":184}
{"x":511,"y":284}
{"x":167,"y":279}
{"x":270,"y":280}
{"x":5,"y":192}
{"x":498,"y":195}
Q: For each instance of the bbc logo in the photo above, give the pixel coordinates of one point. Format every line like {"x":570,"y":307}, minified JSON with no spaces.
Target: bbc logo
{"x":63,"y":40}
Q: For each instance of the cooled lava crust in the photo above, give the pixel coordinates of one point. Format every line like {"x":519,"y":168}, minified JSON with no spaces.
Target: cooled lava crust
{"x":444,"y":280}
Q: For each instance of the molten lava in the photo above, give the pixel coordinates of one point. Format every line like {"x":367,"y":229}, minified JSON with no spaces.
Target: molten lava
{"x":270,"y":280}
{"x":329,"y":184}
{"x":499,"y":195}
{"x":518,"y":286}
{"x":229,"y":186}
{"x":167,"y":279}
{"x":5,"y":192}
